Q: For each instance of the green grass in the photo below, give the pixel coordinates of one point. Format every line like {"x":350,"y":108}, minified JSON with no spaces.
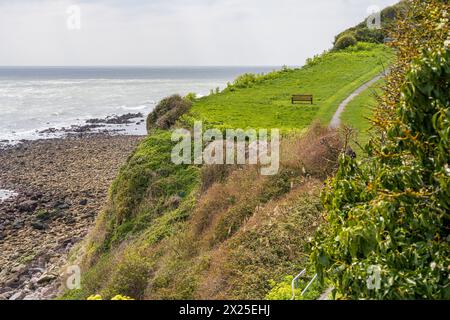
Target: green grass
{"x":148,"y":174}
{"x":145,"y":244}
{"x":358,"y":112}
{"x":330,"y":78}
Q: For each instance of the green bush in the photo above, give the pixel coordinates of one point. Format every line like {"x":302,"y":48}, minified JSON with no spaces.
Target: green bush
{"x":283,"y":290}
{"x":191,"y":96}
{"x":130,"y":275}
{"x":389,"y":17}
{"x":392,"y":210}
{"x":248,"y":80}
{"x":345,"y":41}
{"x":167,"y":112}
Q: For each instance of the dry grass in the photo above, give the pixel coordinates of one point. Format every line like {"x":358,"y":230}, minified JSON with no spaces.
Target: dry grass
{"x":267,"y":246}
{"x":315,"y":153}
{"x":241,"y":230}
{"x":223,"y":200}
{"x":215,"y":173}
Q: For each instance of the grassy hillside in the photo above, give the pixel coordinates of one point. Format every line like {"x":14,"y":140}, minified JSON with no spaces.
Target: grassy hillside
{"x":187,"y":232}
{"x":330,"y":78}
{"x":389,"y":17}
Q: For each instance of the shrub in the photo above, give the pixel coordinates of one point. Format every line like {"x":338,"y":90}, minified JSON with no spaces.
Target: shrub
{"x":130,"y":276}
{"x":191,"y":96}
{"x":315,"y":60}
{"x":245,"y":80}
{"x":389,"y":16}
{"x":248,"y":80}
{"x":314,"y":154}
{"x":345,"y":41}
{"x":211,"y":174}
{"x":283,"y":290}
{"x":167,"y":112}
{"x":391,"y":211}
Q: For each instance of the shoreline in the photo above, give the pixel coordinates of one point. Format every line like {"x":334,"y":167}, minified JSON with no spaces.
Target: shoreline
{"x":132,"y":124}
{"x":61,"y":185}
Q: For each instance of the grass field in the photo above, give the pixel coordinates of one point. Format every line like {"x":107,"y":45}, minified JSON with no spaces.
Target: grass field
{"x":330,"y":78}
{"x":358,"y":112}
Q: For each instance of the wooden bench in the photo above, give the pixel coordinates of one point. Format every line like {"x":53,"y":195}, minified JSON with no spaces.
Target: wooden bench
{"x":302,"y":98}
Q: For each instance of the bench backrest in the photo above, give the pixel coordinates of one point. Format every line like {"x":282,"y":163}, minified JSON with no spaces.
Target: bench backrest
{"x":302,"y":97}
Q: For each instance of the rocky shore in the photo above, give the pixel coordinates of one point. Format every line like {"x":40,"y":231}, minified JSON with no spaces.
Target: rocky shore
{"x":58,"y":187}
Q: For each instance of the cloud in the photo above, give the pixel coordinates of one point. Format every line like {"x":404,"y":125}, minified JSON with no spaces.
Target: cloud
{"x":176,"y":32}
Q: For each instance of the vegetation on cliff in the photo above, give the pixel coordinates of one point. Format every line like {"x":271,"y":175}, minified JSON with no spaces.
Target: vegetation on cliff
{"x":215,"y":232}
{"x":388,"y":214}
{"x":184,"y":232}
{"x":362,"y":33}
{"x":266,"y":103}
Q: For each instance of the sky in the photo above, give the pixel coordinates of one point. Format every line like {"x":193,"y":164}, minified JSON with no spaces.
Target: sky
{"x":172,"y":32}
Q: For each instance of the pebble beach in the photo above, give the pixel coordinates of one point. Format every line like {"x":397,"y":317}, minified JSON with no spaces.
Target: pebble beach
{"x":52,"y":191}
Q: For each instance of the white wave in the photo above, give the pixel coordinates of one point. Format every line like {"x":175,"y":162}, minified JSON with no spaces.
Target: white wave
{"x":142,"y":107}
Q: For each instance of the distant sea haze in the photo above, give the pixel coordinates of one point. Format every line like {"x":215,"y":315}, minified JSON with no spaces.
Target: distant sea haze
{"x":33,"y":99}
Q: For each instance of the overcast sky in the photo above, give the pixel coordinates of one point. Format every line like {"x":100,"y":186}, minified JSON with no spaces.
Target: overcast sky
{"x":174,"y":32}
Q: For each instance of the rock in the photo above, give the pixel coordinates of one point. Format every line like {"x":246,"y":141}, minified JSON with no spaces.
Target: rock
{"x":12,"y":282}
{"x":70,"y":220}
{"x":45,"y":278}
{"x":123,"y":119}
{"x":43,"y":172}
{"x":21,"y":268}
{"x":5,"y":290}
{"x":27,"y":206}
{"x":4,"y":296}
{"x":38,"y":225}
{"x":17,"y":296}
{"x":32,"y":296}
{"x":17,"y":224}
{"x":61,"y":205}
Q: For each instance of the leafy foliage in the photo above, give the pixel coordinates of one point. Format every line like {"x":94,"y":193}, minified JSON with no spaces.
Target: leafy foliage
{"x":362,"y":33}
{"x":147,"y":242}
{"x":168,"y":111}
{"x":248,"y":80}
{"x":283,"y":290}
{"x":345,"y":41}
{"x":392,"y":209}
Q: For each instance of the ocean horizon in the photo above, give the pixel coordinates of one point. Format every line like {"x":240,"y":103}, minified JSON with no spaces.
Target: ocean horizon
{"x":36,"y":98}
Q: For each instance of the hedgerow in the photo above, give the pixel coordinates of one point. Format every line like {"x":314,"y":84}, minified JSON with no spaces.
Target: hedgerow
{"x":391,"y":211}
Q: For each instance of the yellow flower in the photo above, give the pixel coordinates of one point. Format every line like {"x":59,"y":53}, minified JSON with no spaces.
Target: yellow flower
{"x":120,"y":297}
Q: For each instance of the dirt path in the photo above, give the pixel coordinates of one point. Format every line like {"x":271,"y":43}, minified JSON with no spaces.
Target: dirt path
{"x":336,"y":120}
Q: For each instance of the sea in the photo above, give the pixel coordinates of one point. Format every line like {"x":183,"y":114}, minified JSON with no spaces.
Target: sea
{"x":35,"y":99}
